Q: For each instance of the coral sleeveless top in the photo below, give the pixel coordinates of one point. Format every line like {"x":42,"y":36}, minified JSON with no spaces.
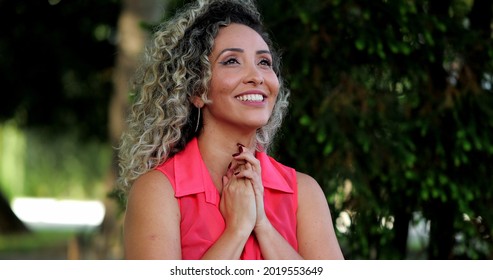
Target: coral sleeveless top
{"x":201,"y":221}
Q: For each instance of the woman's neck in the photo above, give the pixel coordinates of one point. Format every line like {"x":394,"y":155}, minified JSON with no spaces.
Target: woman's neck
{"x":217,"y":151}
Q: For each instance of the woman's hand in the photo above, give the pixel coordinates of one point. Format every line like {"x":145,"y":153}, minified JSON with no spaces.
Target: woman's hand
{"x":238,"y":203}
{"x":247,"y":167}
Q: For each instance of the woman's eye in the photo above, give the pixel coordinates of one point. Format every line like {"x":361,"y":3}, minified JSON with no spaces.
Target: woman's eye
{"x":230,"y":61}
{"x":265,"y":62}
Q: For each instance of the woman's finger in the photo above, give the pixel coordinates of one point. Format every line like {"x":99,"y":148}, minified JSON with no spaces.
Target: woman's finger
{"x":248,"y":156}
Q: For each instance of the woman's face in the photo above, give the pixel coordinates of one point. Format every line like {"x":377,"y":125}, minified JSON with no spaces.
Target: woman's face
{"x":243,"y":88}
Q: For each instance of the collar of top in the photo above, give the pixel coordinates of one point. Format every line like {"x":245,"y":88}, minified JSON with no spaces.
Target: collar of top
{"x":192,"y":176}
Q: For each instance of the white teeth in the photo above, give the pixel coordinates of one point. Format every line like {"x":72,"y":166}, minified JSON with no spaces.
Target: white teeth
{"x":250,"y":97}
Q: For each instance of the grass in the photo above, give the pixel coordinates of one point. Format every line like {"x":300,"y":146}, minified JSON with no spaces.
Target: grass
{"x":43,"y":244}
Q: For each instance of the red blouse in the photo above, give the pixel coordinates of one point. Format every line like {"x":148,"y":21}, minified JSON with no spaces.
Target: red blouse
{"x":201,"y":221}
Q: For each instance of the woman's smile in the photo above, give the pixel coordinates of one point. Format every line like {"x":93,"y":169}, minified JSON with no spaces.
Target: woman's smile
{"x":252,"y":98}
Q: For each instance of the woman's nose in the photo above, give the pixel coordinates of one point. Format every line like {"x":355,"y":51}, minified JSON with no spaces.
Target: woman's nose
{"x":254,"y":76}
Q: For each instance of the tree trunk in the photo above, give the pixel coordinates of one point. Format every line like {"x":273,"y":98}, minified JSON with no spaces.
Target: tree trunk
{"x":401,"y":230}
{"x":441,"y":214}
{"x":9,"y":222}
{"x":442,"y":231}
{"x":131,"y":40}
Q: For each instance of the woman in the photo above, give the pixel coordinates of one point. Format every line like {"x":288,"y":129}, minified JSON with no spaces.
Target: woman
{"x":209,"y":102}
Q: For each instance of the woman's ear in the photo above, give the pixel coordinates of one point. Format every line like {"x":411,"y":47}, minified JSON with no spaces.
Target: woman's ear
{"x":197,"y":101}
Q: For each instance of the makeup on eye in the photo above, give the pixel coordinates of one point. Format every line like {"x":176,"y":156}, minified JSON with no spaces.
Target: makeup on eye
{"x":229,"y":61}
{"x":264,"y":60}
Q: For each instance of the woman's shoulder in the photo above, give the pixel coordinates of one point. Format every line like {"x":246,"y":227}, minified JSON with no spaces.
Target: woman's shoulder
{"x":308,"y":187}
{"x":151,"y":186}
{"x":306,"y":180}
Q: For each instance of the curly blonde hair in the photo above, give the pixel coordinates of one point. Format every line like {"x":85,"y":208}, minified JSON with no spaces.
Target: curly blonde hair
{"x":176,"y":67}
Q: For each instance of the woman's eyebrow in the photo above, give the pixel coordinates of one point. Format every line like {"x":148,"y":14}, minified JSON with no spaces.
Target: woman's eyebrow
{"x":229,"y":50}
{"x":240,"y":50}
{"x":232,"y":50}
{"x":263,"y":52}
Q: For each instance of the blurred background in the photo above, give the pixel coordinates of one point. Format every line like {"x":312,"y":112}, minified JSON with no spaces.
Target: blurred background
{"x":391,"y":111}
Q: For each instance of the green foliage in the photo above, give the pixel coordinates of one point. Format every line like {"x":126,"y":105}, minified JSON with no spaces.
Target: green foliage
{"x":391,"y":109}
{"x":63,"y":166}
{"x":55,"y":64}
{"x":395,"y":98}
{"x":36,"y":163}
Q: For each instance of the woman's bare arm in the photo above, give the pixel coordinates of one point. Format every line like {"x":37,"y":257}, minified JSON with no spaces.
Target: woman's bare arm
{"x":152,"y":219}
{"x":316,"y":236}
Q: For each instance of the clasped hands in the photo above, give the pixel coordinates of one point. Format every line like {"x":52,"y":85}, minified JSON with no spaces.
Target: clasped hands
{"x":242,"y":198}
